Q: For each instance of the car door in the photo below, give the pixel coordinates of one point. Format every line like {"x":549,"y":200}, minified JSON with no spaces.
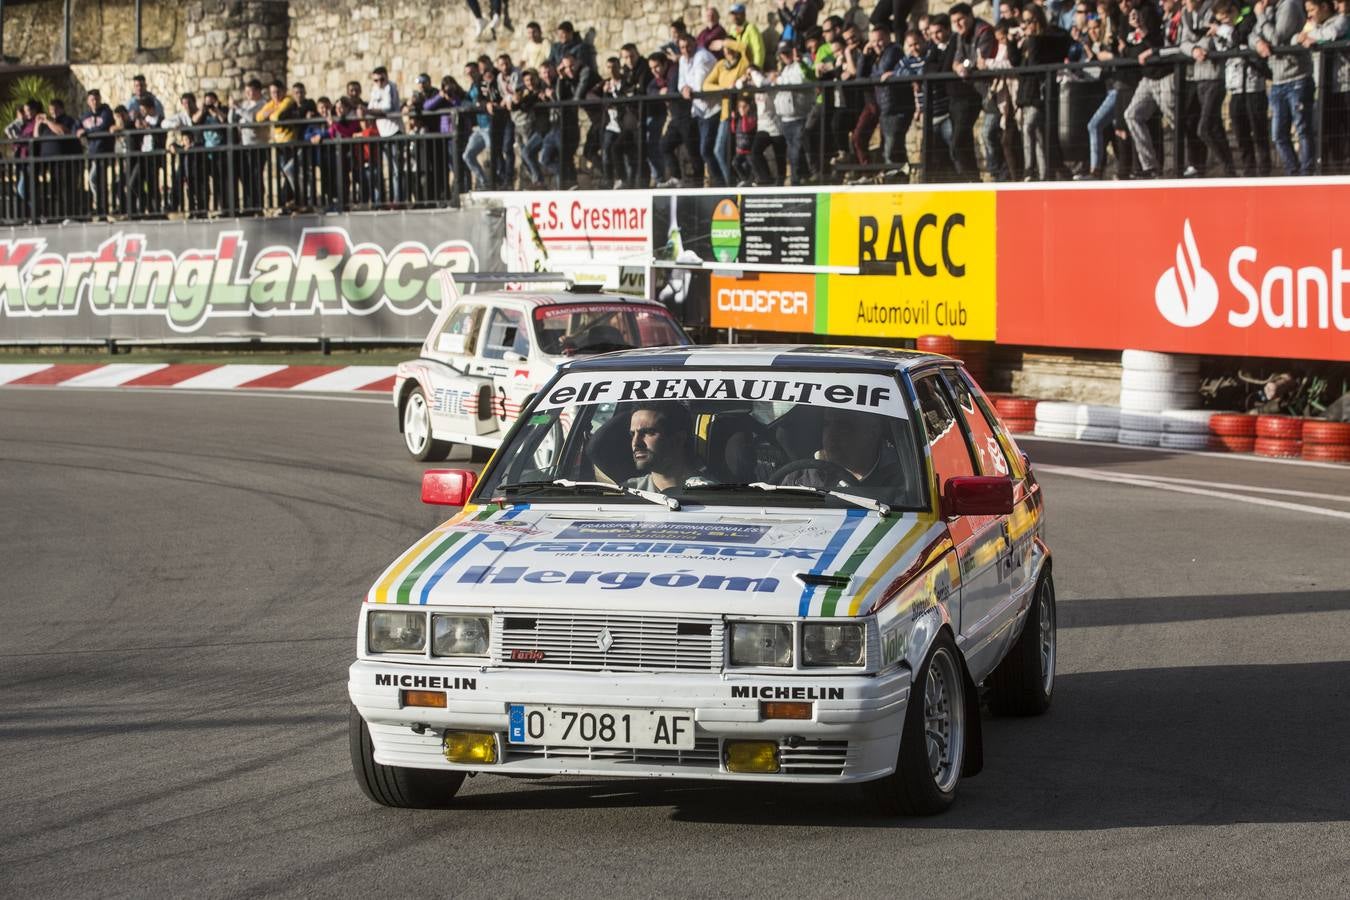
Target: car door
{"x":453,"y":391}
{"x":503,"y":359}
{"x":981,"y":541}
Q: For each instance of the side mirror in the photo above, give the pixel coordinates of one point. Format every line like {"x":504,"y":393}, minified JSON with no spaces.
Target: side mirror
{"x":977,"y":495}
{"x":447,"y":487}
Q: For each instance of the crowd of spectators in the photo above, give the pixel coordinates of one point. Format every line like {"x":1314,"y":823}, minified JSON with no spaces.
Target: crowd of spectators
{"x":811,"y":99}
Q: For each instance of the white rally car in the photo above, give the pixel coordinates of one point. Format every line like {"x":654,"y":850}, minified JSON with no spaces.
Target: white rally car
{"x":761,"y":564}
{"x":488,"y":353}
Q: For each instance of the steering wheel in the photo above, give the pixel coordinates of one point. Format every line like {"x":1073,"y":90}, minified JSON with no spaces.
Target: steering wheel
{"x":832,"y":470}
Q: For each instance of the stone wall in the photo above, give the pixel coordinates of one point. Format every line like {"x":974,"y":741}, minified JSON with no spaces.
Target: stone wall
{"x":216,"y":45}
{"x":232,"y":41}
{"x":102,"y":31}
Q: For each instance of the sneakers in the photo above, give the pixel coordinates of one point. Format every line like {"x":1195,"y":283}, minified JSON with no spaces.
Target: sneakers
{"x":669,"y":183}
{"x":618,"y":184}
{"x":1191,"y":172}
{"x":482,"y":27}
{"x":492,"y":25}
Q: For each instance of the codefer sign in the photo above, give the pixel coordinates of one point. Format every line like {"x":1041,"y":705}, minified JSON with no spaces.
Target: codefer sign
{"x":764,"y":302}
{"x":1249,"y":271}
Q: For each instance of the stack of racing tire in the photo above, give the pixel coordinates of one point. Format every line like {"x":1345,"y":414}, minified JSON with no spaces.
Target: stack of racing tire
{"x":1018,"y":413}
{"x":1325,"y":441}
{"x":1231,"y":432}
{"x":975,"y":354}
{"x":1159,"y":393}
{"x":1077,"y":421}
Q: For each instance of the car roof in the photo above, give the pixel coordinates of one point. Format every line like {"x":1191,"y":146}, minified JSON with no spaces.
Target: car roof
{"x":788,"y":356}
{"x":561,"y":298}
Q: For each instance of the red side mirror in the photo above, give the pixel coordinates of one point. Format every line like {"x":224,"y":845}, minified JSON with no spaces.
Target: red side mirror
{"x":977,"y":495}
{"x":447,"y":487}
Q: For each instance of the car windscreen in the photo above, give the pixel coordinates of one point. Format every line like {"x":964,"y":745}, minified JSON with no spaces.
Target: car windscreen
{"x":717,"y":436}
{"x":575,"y":328}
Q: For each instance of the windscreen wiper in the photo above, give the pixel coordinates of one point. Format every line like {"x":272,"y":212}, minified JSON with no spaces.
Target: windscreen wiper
{"x":855,"y":499}
{"x":650,"y":496}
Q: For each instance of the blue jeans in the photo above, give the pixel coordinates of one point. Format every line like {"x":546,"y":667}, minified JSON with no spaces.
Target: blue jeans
{"x":722,"y":152}
{"x":1097,"y":125}
{"x":707,"y":148}
{"x":991,"y":134}
{"x":529,"y":156}
{"x":1291,"y":103}
{"x":478,"y":142}
{"x":656,"y":160}
{"x":792,"y":136}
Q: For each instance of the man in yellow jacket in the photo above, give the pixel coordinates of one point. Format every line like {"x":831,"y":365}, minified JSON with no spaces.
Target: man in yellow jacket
{"x":280,"y":110}
{"x":723,"y":77}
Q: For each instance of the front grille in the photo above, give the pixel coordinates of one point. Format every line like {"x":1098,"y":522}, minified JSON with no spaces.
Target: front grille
{"x":533,"y":640}
{"x":704,"y":755}
{"x":806,"y":758}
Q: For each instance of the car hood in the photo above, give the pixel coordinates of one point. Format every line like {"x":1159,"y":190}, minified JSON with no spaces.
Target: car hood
{"x":711,"y":560}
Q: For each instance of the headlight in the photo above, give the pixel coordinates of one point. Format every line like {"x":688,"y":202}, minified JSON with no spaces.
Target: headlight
{"x":833,"y":644}
{"x":761,"y":644}
{"x":459,"y":636}
{"x":396,"y":632}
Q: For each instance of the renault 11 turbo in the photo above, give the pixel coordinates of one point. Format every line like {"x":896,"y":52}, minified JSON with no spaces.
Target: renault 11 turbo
{"x":789,"y":564}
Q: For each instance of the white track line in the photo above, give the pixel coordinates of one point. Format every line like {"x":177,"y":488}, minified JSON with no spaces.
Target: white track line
{"x":1286,"y":492}
{"x":1235,"y":457}
{"x":1144,"y":482}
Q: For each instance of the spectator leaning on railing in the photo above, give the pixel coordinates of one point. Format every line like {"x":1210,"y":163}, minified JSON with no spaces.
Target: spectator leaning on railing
{"x":1331,"y":23}
{"x":96,"y":128}
{"x":1206,"y":138}
{"x":1278,"y":22}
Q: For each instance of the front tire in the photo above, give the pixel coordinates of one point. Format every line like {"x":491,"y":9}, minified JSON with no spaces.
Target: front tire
{"x":417,"y":429}
{"x":1024,"y":683}
{"x":933,"y":740}
{"x":394,"y":785}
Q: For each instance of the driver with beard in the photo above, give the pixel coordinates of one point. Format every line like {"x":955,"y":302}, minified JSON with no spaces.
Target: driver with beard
{"x":661,"y":436}
{"x":852,"y":443}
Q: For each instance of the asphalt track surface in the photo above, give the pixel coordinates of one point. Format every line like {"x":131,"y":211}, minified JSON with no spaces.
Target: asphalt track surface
{"x":180,"y":580}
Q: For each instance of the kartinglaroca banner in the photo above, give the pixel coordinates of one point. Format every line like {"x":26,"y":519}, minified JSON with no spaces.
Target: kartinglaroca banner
{"x":1250,"y":269}
{"x":358,"y":277}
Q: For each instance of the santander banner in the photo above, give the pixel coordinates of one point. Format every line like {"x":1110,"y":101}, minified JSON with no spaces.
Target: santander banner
{"x":1260,"y":270}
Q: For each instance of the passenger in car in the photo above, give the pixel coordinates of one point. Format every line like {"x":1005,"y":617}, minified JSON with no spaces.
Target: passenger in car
{"x":661,"y":436}
{"x":856,"y":443}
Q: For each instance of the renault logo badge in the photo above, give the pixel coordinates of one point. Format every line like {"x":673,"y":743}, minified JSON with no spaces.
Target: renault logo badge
{"x":604,"y":640}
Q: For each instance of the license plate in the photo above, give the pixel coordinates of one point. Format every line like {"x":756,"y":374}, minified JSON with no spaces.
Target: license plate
{"x":589,"y":726}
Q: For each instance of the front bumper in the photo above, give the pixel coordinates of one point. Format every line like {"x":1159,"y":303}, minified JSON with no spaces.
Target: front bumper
{"x":853,"y":735}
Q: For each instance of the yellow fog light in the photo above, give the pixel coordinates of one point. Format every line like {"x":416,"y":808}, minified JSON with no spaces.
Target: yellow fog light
{"x":756,"y":757}
{"x":470,"y":747}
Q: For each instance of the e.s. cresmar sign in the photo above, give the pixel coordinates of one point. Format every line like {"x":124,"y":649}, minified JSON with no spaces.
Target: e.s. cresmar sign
{"x":366,"y":277}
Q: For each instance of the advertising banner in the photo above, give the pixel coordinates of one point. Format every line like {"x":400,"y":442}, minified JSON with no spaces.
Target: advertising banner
{"x":1240,"y":270}
{"x":764,"y":301}
{"x":937,"y":249}
{"x":602,"y":237}
{"x":941,"y":248}
{"x":358,"y":277}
